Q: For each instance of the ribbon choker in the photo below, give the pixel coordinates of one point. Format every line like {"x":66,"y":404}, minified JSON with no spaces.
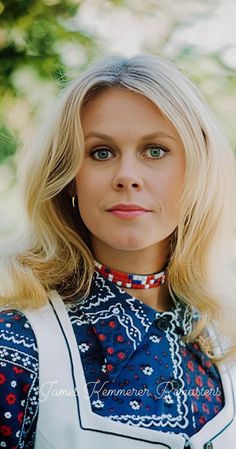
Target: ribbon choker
{"x":129,"y":280}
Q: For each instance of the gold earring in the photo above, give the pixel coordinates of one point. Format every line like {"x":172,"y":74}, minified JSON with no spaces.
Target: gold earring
{"x":73,"y":201}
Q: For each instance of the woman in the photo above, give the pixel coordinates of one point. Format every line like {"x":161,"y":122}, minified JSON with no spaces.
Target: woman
{"x":116,"y":321}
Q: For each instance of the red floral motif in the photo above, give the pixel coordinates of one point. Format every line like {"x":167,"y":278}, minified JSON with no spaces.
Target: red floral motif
{"x":112,"y":324}
{"x":198,"y":381}
{"x":11,"y":398}
{"x":26,"y":388}
{"x":205,"y":408}
{"x":20,"y":417}
{"x":119,"y":338}
{"x":2,"y":378}
{"x":190,"y":365}
{"x":219,"y":398}
{"x":183,"y":351}
{"x":109,"y":367}
{"x":5,"y":430}
{"x":101,"y":337}
{"x":17,"y":370}
{"x":210,"y":383}
{"x":110,"y":350}
{"x":121,"y":355}
{"x":202,"y":420}
{"x":201,"y":369}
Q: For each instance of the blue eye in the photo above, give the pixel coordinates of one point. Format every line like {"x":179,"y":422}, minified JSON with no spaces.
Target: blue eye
{"x":100,"y":154}
{"x":104,"y":154}
{"x":155,"y":151}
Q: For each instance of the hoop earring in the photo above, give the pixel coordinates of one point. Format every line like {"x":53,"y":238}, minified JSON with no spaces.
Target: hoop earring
{"x":73,"y":201}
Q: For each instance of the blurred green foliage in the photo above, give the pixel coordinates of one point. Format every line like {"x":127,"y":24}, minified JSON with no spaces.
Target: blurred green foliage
{"x":29,"y":30}
{"x":7,"y":143}
{"x":32,"y":33}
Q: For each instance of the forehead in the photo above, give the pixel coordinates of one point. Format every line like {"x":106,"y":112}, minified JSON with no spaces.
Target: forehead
{"x":118,"y":107}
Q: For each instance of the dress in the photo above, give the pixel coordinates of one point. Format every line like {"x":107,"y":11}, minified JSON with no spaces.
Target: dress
{"x":138,"y":372}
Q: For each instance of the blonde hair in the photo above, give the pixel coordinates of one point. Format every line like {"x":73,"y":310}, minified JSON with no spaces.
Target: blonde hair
{"x":56,"y":252}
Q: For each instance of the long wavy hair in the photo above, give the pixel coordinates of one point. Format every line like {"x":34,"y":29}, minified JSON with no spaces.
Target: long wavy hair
{"x":55,"y":250}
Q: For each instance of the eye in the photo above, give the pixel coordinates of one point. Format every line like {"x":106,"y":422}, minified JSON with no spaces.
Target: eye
{"x":101,"y":154}
{"x":156,"y":151}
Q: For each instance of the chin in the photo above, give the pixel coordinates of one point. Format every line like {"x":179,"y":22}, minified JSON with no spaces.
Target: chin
{"x":131,"y":243}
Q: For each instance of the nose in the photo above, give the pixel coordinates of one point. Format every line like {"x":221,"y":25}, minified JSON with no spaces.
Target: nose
{"x":127,"y":177}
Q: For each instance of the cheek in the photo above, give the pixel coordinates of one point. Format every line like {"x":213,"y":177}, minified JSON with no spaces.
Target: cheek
{"x":90,"y":194}
{"x":85,"y":185}
{"x":92,"y":184}
{"x":170,"y":187}
{"x":89,"y":172}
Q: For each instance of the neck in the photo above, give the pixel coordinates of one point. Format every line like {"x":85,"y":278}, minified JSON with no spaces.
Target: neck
{"x":144,"y":261}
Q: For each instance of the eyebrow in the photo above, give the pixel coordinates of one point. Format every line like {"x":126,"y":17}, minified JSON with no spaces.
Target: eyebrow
{"x":147,"y":136}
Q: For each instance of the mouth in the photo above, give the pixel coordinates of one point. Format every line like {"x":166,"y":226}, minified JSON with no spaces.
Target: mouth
{"x":128,"y":211}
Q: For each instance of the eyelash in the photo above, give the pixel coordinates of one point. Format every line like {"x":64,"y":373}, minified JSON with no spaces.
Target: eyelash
{"x":152,"y":146}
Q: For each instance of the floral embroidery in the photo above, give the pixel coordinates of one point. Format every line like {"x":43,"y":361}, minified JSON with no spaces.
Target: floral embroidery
{"x":83,"y":347}
{"x":148,"y":370}
{"x":154,"y":339}
{"x":98,"y":404}
{"x":168,"y":399}
{"x":135,"y":405}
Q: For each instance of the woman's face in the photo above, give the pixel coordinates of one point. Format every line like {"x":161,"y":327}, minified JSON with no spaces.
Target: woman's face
{"x":133,"y":156}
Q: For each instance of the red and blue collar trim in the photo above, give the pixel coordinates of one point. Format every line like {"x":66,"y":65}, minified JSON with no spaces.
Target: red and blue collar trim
{"x":130,"y":280}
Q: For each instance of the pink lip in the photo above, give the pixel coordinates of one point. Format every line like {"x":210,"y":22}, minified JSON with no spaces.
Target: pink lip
{"x":127,"y":210}
{"x":127,"y":207}
{"x":128,"y":213}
